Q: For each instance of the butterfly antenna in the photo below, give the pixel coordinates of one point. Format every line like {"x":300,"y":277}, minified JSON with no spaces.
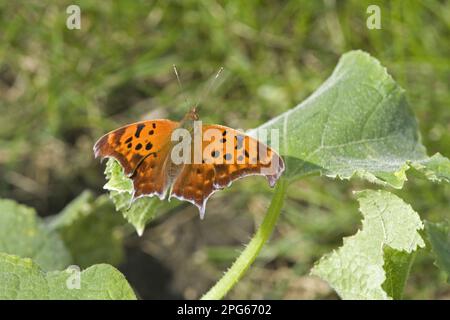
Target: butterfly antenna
{"x":208,"y":89}
{"x":179,"y":83}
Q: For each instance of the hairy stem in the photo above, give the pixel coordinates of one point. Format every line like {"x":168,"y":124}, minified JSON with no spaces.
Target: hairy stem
{"x":246,"y":258}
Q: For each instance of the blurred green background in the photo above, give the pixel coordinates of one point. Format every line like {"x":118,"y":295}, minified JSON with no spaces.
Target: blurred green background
{"x":61,"y":89}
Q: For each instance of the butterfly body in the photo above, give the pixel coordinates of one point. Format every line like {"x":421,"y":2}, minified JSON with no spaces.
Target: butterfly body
{"x":186,"y":160}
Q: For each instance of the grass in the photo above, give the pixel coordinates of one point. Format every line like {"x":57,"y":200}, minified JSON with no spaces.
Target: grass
{"x":61,"y":89}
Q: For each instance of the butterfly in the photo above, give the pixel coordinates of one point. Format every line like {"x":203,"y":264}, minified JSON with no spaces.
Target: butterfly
{"x":150,"y":156}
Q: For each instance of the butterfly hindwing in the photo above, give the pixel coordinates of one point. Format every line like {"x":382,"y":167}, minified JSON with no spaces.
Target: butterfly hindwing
{"x":151,"y":176}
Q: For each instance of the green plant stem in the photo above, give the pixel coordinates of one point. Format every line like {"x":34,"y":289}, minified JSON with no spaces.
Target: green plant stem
{"x":246,"y":258}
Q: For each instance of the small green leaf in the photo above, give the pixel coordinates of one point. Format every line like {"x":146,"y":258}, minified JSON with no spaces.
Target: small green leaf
{"x":438,"y":235}
{"x":117,"y":181}
{"x":397,"y":265}
{"x":138,"y":212}
{"x":358,"y":123}
{"x":24,"y":234}
{"x":357,"y":269}
{"x":435,"y":168}
{"x":90,"y":230}
{"x":23,"y":279}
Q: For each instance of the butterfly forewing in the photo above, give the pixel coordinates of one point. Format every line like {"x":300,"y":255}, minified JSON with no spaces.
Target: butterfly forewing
{"x":131,"y":144}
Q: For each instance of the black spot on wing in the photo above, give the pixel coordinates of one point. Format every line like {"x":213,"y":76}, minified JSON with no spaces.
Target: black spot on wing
{"x":139,"y":129}
{"x":240,"y":142}
{"x":215,"y":154}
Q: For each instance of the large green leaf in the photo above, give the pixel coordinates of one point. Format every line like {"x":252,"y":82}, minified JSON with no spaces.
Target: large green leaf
{"x":357,"y":123}
{"x":438,"y":235}
{"x":23,"y":279}
{"x":24,"y":234}
{"x":90,"y":228}
{"x":363,"y":268}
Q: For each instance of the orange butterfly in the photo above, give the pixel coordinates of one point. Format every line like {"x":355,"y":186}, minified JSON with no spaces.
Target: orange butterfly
{"x":151,"y":158}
